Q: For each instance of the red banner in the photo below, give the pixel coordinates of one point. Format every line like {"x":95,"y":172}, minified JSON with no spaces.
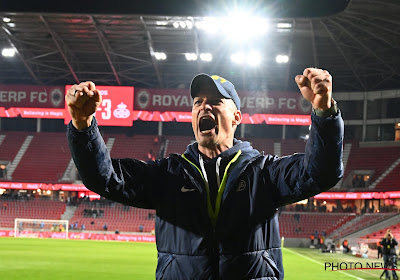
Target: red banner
{"x":246,"y":118}
{"x":179,"y":100}
{"x":82,"y":188}
{"x":358,"y":195}
{"x":35,"y":186}
{"x":35,"y":113}
{"x":31,"y":96}
{"x":81,"y":236}
{"x":44,"y":102}
{"x":116,"y":107}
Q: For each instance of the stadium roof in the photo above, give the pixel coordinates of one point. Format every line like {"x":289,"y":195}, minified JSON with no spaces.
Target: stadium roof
{"x":360,"y":46}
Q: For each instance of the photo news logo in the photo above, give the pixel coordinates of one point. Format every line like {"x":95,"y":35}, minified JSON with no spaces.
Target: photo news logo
{"x":339,"y":266}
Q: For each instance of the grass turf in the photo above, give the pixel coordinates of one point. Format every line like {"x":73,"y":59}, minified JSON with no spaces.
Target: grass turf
{"x":43,"y":259}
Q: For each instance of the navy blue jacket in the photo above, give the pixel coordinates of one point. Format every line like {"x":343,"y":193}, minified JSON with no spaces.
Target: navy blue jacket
{"x":238,"y":236}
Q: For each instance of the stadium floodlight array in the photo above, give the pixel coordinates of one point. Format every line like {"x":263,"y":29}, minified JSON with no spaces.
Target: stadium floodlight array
{"x":8,"y":52}
{"x":41,"y":228}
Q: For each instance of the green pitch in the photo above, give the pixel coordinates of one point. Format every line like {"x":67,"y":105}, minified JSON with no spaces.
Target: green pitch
{"x":45,"y":259}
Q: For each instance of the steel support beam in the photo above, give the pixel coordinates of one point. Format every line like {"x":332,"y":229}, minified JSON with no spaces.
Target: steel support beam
{"x":106,"y":47}
{"x":363,"y":45}
{"x":56,"y":38}
{"x":349,"y":64}
{"x":11,"y":39}
{"x":151,"y":50}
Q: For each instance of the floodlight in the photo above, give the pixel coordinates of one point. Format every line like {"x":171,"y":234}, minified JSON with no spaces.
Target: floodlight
{"x":191,"y":56}
{"x":160,"y":56}
{"x":281,"y":58}
{"x":8,"y":52}
{"x":206,"y":56}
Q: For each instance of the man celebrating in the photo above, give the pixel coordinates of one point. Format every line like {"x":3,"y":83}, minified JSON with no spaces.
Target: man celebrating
{"x":215,"y":204}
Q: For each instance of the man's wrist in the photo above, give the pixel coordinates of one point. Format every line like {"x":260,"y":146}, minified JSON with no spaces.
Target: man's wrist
{"x":83,"y":124}
{"x":327,"y":113}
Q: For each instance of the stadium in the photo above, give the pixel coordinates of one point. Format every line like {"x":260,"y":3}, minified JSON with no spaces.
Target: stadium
{"x":142,"y":60}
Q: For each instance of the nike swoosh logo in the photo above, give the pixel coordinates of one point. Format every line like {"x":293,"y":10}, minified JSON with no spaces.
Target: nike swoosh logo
{"x":184,"y":189}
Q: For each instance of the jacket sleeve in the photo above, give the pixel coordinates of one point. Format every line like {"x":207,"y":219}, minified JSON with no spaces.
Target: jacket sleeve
{"x":300,"y":176}
{"x":127,"y":181}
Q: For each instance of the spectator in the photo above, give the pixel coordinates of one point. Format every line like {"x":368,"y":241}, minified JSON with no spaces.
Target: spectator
{"x":105,"y":226}
{"x":141,"y":228}
{"x":379,"y":247}
{"x":346,"y":248}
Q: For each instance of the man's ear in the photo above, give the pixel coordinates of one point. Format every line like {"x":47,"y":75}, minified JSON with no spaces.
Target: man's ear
{"x":237,"y":118}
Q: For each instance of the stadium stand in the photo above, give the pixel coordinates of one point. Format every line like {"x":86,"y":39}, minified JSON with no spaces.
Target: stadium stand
{"x":291,"y":146}
{"x":29,"y":209}
{"x":178,"y":144}
{"x":263,"y":145}
{"x":359,"y":223}
{"x":11,"y":144}
{"x":395,"y":229}
{"x":390,"y":181}
{"x":115,"y":215}
{"x":137,"y":146}
{"x":302,"y":225}
{"x":376,"y":158}
{"x":45,"y":160}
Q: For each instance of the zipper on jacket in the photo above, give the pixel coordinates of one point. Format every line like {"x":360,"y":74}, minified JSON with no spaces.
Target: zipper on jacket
{"x":213,"y":214}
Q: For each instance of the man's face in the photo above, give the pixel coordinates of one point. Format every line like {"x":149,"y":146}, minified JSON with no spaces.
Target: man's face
{"x":214,"y":118}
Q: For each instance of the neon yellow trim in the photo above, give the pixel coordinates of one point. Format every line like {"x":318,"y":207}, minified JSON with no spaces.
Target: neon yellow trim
{"x":222,"y":186}
{"x":214,"y":214}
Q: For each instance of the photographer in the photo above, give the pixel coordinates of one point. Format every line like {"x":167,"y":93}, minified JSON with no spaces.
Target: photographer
{"x":389,"y":253}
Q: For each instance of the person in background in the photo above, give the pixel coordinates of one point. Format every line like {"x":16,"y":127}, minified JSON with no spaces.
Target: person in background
{"x":346,"y":248}
{"x":389,"y":244}
{"x":379,"y":247}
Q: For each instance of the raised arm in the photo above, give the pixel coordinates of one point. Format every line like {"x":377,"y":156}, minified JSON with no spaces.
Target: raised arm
{"x":128,"y":181}
{"x":301,"y":176}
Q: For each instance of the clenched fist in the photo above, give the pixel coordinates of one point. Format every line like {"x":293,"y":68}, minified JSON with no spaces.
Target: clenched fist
{"x":83,"y":100}
{"x":316,"y":86}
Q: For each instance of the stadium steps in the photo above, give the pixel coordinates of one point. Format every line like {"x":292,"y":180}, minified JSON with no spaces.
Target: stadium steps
{"x":110,"y":143}
{"x":277,"y":149}
{"x":165,"y":148}
{"x":69,"y":212}
{"x":337,"y":233}
{"x":2,"y":138}
{"x":383,"y":175}
{"x":68,"y":172}
{"x":375,"y":227}
{"x":359,"y":223}
{"x":19,"y":156}
{"x":346,"y":154}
